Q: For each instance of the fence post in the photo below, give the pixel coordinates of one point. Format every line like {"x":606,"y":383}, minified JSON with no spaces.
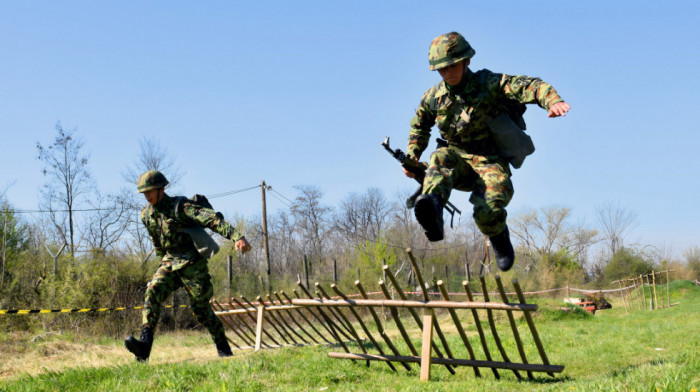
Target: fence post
{"x":427,"y":340}
{"x":259,"y":326}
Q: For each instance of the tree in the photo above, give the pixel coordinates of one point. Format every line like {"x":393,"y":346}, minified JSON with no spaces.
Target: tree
{"x":13,"y":236}
{"x":692,"y":258}
{"x":310,"y":217}
{"x":106,"y":226}
{"x":152,"y":156}
{"x":67,"y":180}
{"x":542,"y":230}
{"x":614,"y":220}
{"x":362,"y":217}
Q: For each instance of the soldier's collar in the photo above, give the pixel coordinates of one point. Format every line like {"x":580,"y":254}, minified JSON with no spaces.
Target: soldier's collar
{"x":164,"y":203}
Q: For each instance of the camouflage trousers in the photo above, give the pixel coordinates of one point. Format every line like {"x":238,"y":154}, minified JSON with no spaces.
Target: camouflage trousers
{"x":197,"y":282}
{"x":487,"y":178}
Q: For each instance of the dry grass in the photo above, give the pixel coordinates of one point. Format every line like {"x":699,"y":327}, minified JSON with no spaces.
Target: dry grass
{"x":23,"y":353}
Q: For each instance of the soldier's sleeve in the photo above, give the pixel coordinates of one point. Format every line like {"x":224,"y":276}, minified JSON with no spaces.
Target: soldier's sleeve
{"x":154,"y":236}
{"x":210,"y":219}
{"x":419,"y":135}
{"x":527,"y":89}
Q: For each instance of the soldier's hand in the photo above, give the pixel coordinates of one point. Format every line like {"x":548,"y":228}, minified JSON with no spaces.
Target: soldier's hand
{"x":242,"y":245}
{"x":408,"y":173}
{"x":559,"y":109}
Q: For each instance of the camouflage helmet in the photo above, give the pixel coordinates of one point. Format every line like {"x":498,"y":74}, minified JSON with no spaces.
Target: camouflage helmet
{"x":449,"y":49}
{"x":152,"y":179}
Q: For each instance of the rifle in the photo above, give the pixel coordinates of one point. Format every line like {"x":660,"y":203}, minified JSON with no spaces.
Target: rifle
{"x":418,"y":170}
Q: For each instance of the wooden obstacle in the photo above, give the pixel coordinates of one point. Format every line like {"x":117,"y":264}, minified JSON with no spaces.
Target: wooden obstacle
{"x":317,"y":319}
{"x":337,"y":320}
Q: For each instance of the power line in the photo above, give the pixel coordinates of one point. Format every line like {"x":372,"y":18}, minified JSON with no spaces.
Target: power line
{"x":27,"y":211}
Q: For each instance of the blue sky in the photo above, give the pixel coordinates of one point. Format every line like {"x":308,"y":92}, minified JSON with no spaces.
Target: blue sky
{"x":303,"y":92}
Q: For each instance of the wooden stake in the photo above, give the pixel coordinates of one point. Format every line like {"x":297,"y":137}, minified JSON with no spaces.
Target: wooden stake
{"x":531,"y":324}
{"x":477,"y":323}
{"x":377,"y":321}
{"x":427,"y":343}
{"x":303,"y":316}
{"x":653,"y":282}
{"x":413,"y":312}
{"x":259,"y":327}
{"x":363,"y":326}
{"x":492,"y":324}
{"x":458,"y":325}
{"x":516,"y":335}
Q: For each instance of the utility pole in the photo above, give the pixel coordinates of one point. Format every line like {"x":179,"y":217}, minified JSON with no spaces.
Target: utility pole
{"x":264,"y":222}
{"x":4,"y":249}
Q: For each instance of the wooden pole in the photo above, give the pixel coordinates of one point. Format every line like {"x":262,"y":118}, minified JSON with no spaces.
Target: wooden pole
{"x":426,"y":356}
{"x":331,"y":327}
{"x":270,"y":320}
{"x":259,"y":326}
{"x":458,"y":325}
{"x":216,"y":306}
{"x":492,"y":324}
{"x":397,"y":320}
{"x":653,"y":282}
{"x":342,"y":319}
{"x":622,"y":294}
{"x":265,"y":236}
{"x":283,"y":323}
{"x":294,"y":320}
{"x":479,"y":329}
{"x":247,"y":331}
{"x":438,"y":330}
{"x":644,"y":291}
{"x":457,"y":362}
{"x":303,"y":317}
{"x":362,"y":325}
{"x":335,"y":271}
{"x":668,"y":289}
{"x":317,"y":318}
{"x":306,"y":270}
{"x":413,"y":313}
{"x":511,"y":320}
{"x":651,"y":298}
{"x":229,"y":272}
{"x":377,"y":321}
{"x":255,"y":322}
{"x":531,"y":324}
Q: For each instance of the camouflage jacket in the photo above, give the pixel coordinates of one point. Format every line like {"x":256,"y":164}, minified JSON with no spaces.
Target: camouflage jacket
{"x":463,"y":118}
{"x":175,"y":246}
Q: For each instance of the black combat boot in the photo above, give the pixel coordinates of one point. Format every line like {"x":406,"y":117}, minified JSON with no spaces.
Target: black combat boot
{"x":222,"y":347}
{"x":505,"y":256}
{"x":428,"y":210}
{"x":140,"y":348}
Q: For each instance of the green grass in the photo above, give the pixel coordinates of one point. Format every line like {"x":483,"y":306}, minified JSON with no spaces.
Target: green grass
{"x":611,"y":351}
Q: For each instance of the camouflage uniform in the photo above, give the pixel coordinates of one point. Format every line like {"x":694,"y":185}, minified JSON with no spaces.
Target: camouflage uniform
{"x":181,"y":264}
{"x":471,"y":159}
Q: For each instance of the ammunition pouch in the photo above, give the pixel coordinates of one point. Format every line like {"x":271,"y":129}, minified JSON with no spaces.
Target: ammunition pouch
{"x":514,"y":144}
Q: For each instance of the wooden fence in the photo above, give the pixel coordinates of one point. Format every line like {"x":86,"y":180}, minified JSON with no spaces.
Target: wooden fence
{"x":317,"y":319}
{"x":637,"y":288}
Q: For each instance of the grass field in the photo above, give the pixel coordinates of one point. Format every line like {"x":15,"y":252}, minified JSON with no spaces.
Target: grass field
{"x":611,"y":351}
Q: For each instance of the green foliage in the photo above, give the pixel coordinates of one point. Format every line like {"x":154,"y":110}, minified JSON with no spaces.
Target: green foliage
{"x":627,"y":262}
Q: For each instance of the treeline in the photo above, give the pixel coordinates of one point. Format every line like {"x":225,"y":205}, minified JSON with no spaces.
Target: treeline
{"x":107,"y":259}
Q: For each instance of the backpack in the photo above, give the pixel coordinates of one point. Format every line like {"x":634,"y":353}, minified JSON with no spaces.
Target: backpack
{"x":508,"y":130}
{"x":206,"y":246}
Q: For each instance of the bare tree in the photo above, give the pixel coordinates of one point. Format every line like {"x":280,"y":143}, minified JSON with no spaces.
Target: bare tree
{"x":614,"y":221}
{"x":311,"y":220}
{"x":68,"y":179}
{"x":541,"y":230}
{"x":106,"y":226}
{"x":153,"y":156}
{"x":362,"y":217}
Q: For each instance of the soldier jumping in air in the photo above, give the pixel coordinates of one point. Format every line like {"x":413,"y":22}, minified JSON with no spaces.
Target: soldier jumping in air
{"x":473,"y":110}
{"x":175,"y":225}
